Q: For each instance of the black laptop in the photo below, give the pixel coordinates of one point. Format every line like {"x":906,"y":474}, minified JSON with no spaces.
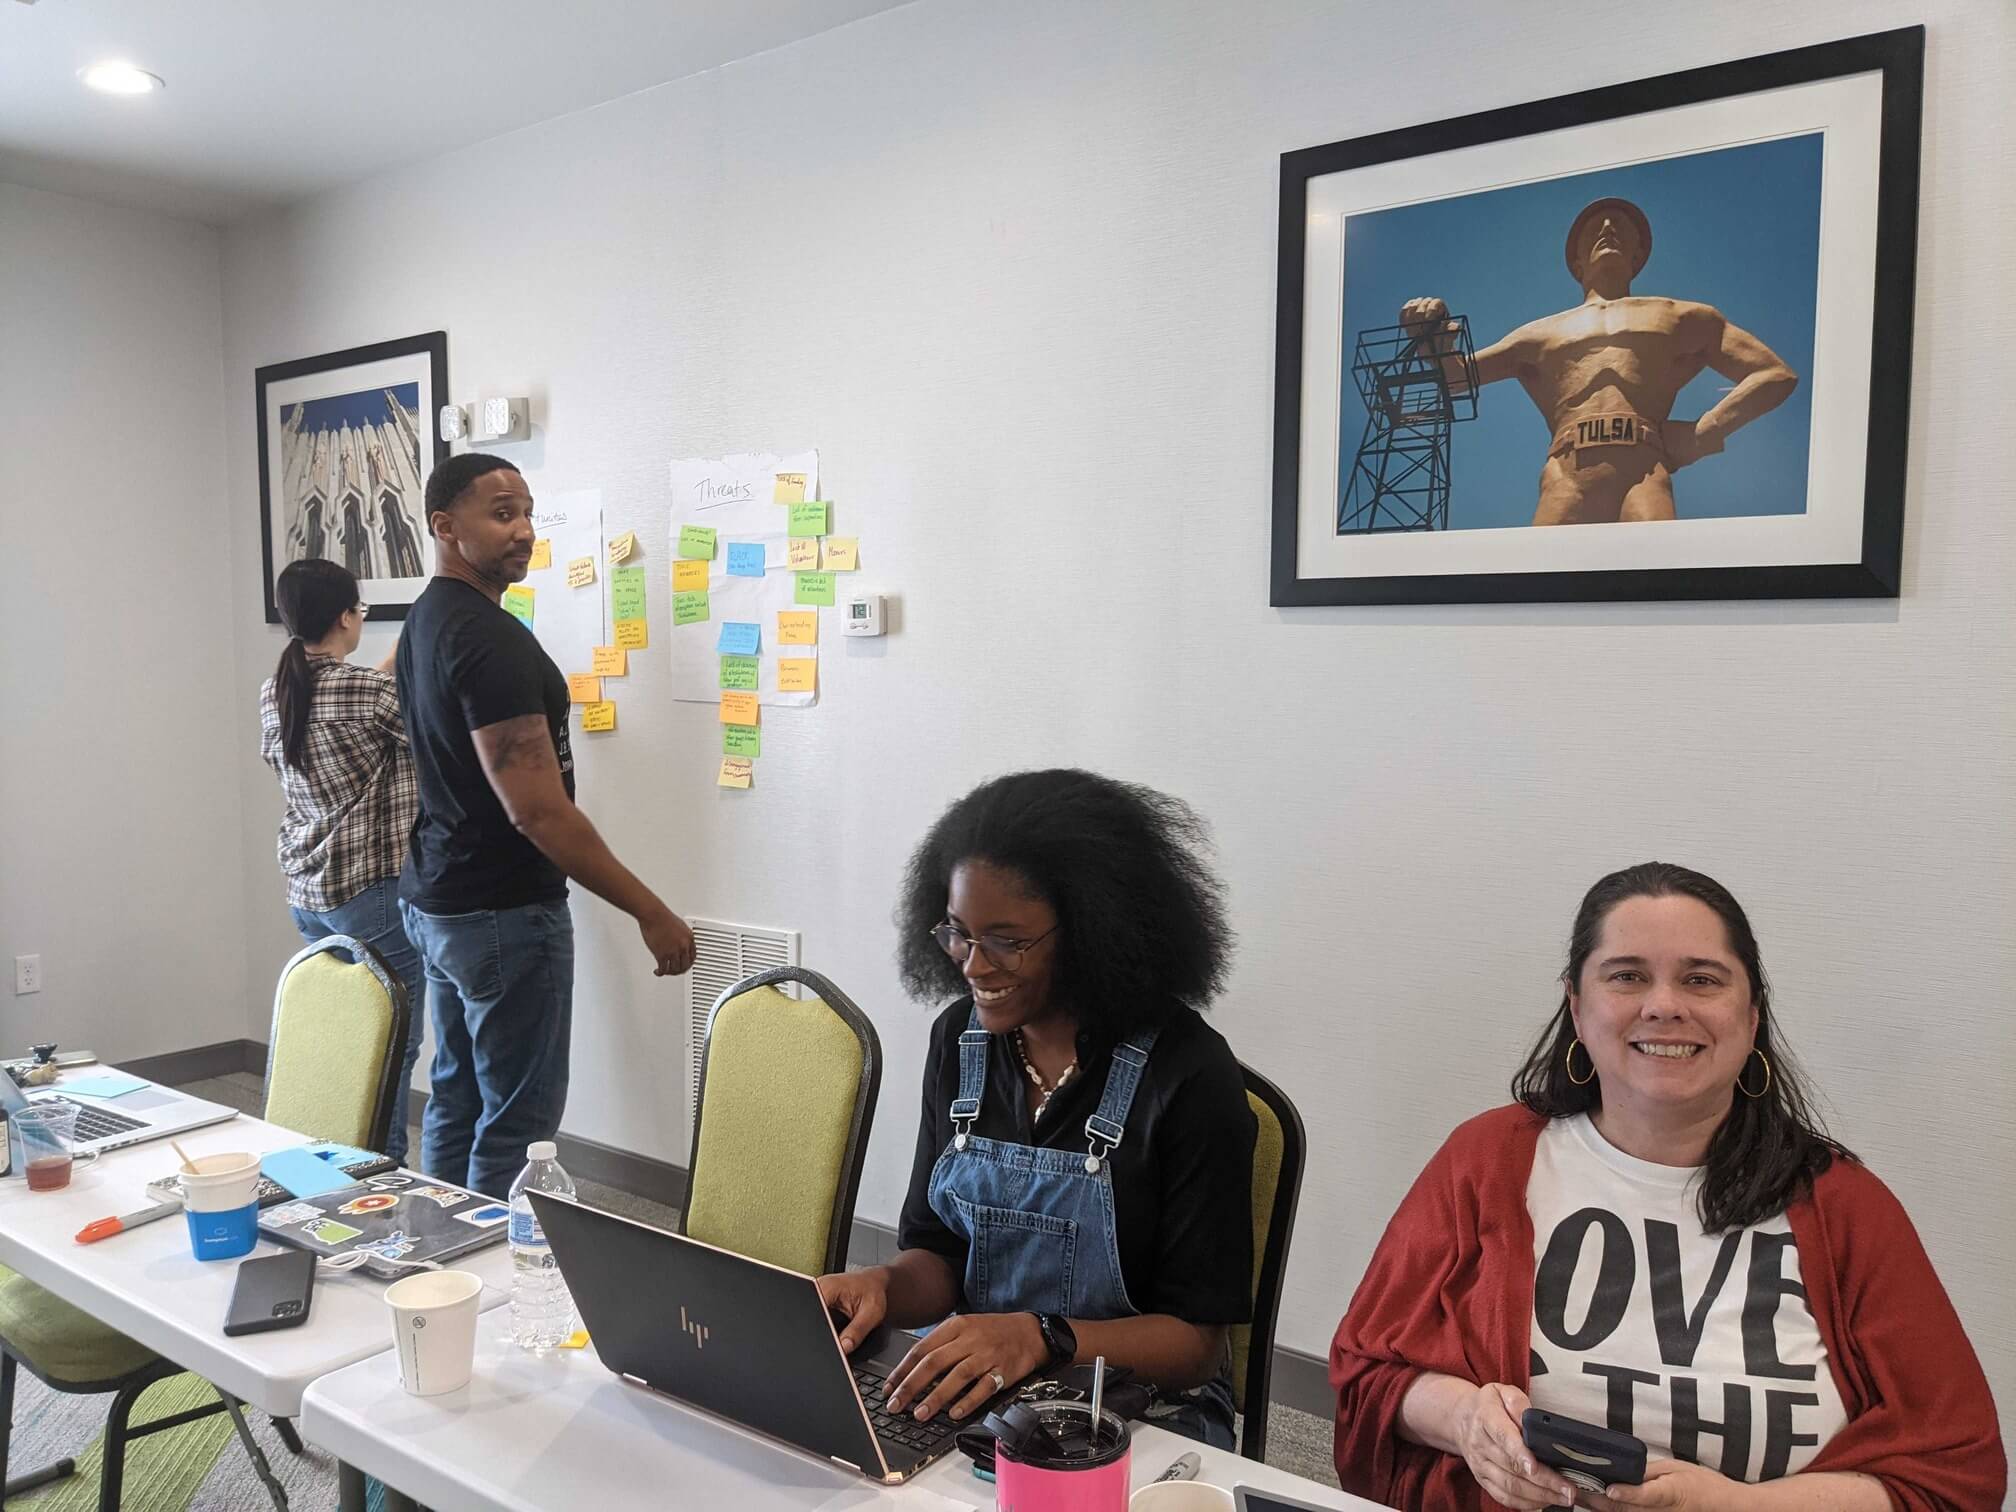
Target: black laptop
{"x":738,"y":1338}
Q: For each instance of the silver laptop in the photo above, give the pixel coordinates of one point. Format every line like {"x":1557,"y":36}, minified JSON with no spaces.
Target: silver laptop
{"x":112,"y":1123}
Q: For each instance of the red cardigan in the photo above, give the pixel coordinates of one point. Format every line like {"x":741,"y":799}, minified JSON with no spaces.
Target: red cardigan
{"x":1450,"y":1289}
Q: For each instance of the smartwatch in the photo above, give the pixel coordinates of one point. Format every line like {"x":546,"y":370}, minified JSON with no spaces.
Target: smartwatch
{"x":1058,"y":1337}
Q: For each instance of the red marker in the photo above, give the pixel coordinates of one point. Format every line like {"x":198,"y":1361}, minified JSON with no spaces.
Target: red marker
{"x":105,"y":1228}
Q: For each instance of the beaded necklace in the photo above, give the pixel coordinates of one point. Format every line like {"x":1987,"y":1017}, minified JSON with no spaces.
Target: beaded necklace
{"x":1047,"y":1090}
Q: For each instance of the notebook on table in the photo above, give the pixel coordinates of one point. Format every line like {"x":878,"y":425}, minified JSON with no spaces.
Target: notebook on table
{"x":397,"y":1215}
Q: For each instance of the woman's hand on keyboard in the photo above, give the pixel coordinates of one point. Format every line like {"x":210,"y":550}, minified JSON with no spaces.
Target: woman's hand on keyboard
{"x":971,"y":1357}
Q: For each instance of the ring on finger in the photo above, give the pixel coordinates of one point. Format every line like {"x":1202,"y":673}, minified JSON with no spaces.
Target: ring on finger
{"x":1000,"y":1381}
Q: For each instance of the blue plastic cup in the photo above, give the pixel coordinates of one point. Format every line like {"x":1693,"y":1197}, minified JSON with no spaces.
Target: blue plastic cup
{"x":220,"y":1200}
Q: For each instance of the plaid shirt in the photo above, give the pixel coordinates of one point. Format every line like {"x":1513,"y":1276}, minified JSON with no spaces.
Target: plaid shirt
{"x":350,"y":807}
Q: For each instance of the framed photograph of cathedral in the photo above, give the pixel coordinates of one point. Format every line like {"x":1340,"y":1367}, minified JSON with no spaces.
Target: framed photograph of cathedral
{"x":1650,"y":341}
{"x":346,"y":441}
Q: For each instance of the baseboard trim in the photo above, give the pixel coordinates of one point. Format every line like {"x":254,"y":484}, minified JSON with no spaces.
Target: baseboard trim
{"x":639,"y":1175}
{"x":201,"y":1063}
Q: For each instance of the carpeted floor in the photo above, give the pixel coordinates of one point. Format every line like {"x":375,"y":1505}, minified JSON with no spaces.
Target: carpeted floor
{"x":201,"y":1466}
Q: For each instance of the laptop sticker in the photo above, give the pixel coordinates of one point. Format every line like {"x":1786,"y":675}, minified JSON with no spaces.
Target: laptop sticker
{"x":393,"y":1246}
{"x":485,"y":1217}
{"x":446,"y":1197}
{"x":374,"y":1203}
{"x":329,"y":1231}
{"x":389,"y":1183}
{"x":289,"y":1213}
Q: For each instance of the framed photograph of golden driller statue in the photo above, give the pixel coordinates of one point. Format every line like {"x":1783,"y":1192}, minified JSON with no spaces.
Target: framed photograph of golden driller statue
{"x":1650,"y":341}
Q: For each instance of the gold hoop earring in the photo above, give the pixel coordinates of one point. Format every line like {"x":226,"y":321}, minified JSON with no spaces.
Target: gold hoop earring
{"x":1569,"y":1061}
{"x":1767,"y":1074}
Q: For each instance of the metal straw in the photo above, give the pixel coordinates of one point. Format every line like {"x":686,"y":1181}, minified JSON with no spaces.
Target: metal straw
{"x":1098,"y":1391}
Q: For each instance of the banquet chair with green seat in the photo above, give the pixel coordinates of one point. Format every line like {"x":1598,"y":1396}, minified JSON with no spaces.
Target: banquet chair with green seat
{"x":780,"y":1122}
{"x":338,"y":1030}
{"x":1277,"y":1187}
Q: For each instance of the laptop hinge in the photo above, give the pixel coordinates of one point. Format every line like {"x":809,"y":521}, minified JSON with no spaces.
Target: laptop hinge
{"x":845,"y":1464}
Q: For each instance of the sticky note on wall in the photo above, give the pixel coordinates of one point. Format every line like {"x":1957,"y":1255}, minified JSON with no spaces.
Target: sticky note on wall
{"x":631,"y":635}
{"x":790,"y":488}
{"x":797,"y":627}
{"x":584,"y":688}
{"x":697,"y":541}
{"x":839,"y":553}
{"x":801,"y":554}
{"x":611,"y":661}
{"x":745,"y":559}
{"x":580,"y":572}
{"x":815,"y":588}
{"x":622,"y":546}
{"x":741,"y":740}
{"x":689,"y":608}
{"x":739,"y":638}
{"x":797,"y":674}
{"x":739,"y":709}
{"x":626,"y":593}
{"x":808,"y":519}
{"x":542,"y":556}
{"x":735,"y":772}
{"x":598,"y":716}
{"x":518,"y":604}
{"x":739,"y":672}
{"x":689,"y":576}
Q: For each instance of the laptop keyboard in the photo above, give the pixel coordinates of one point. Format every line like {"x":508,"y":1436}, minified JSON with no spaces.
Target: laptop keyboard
{"x":900,"y":1430}
{"x":96,"y":1123}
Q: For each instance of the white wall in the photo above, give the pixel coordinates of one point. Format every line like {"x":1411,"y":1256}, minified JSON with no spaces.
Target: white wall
{"x":1011,"y":269}
{"x":121,"y":861}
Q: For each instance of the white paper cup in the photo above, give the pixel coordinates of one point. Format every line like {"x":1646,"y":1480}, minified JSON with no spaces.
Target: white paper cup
{"x":434,"y":1329}
{"x":220,"y":1183}
{"x":1180,"y":1496}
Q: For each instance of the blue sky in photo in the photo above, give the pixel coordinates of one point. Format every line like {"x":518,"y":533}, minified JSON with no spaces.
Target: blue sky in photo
{"x":365,"y":407}
{"x":1737,"y":228}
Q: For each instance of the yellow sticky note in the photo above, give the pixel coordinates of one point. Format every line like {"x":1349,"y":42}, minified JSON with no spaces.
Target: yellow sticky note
{"x":611,"y":661}
{"x":804,"y":553}
{"x":797,"y":674}
{"x":689,"y":576}
{"x":584,"y":688}
{"x":735,"y":771}
{"x":738,"y":708}
{"x":576,"y":1340}
{"x":580,"y":572}
{"x":598,"y":716}
{"x":797,"y":627}
{"x":542,"y":556}
{"x":622,"y":546}
{"x":631,"y":635}
{"x":839,"y":553}
{"x":790,"y":488}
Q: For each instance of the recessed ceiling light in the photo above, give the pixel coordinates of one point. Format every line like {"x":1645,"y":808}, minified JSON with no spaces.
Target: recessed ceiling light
{"x":120,"y":79}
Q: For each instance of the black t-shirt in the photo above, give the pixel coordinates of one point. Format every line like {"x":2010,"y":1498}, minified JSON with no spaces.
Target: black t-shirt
{"x":465,"y":663}
{"x":1182,"y":1176}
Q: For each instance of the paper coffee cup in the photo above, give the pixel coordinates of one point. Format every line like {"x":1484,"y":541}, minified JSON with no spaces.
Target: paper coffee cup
{"x":1180,"y":1496}
{"x":220,"y":1201}
{"x":434,"y":1329}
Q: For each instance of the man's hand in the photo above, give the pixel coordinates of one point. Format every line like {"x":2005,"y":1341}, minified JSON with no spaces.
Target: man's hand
{"x":1488,"y":1433}
{"x":964,"y":1355}
{"x":669,"y":941}
{"x":1684,"y":444}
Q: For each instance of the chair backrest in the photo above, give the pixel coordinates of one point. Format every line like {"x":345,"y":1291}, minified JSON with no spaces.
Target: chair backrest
{"x":780,"y":1122}
{"x":333,"y":1056}
{"x":1277,"y":1187}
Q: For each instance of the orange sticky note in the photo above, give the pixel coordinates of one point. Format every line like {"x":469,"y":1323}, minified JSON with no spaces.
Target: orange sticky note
{"x":622,"y":546}
{"x":542,"y":556}
{"x":689,"y":576}
{"x":611,"y":661}
{"x":580,"y":572}
{"x":631,"y":635}
{"x":598,"y":716}
{"x":803,"y":553}
{"x":798,"y":674}
{"x":790,"y":488}
{"x":738,"y":708}
{"x":839,"y":554}
{"x":797,"y":627}
{"x":735,"y":771}
{"x":584,"y":688}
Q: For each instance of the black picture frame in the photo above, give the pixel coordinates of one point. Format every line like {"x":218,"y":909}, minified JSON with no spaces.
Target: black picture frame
{"x":1899,"y":57}
{"x":425,"y":358}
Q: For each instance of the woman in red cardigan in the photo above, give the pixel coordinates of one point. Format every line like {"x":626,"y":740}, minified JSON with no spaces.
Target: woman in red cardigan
{"x":1658,"y":1238}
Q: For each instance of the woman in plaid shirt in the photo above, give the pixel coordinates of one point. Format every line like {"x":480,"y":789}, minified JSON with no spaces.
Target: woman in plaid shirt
{"x":333,"y":734}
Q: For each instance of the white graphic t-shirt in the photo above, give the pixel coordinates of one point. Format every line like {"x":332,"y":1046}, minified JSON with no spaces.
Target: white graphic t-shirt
{"x":1700,"y":1344}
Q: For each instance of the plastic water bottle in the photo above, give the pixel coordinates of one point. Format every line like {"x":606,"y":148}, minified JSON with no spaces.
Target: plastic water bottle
{"x":542,"y":1313}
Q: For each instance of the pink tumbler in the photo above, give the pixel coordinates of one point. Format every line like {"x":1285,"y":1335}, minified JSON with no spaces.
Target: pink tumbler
{"x":1049,"y":1458}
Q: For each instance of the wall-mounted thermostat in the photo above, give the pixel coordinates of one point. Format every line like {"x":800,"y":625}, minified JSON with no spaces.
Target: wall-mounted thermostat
{"x":864,"y":615}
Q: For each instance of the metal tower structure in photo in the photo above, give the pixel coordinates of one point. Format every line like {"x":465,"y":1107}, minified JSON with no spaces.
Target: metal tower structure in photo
{"x":1417,"y":381}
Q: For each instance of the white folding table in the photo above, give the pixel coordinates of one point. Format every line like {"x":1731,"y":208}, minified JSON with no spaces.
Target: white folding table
{"x":532,"y":1433}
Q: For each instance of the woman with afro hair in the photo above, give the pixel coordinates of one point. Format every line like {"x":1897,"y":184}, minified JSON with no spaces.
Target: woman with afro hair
{"x":1083,"y":1177}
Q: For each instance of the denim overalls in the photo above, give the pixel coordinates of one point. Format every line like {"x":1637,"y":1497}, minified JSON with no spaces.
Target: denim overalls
{"x":1038,"y":1223}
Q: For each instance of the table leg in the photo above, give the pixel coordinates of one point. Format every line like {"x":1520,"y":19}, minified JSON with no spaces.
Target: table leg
{"x":274,"y":1489}
{"x":399,"y":1501}
{"x":349,"y":1488}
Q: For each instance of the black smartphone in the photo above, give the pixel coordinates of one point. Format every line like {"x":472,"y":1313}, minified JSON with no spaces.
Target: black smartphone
{"x":272,"y":1291}
{"x":1590,"y":1457}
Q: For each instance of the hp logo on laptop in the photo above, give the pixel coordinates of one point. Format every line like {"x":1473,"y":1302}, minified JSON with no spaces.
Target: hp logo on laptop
{"x":697,"y":1330}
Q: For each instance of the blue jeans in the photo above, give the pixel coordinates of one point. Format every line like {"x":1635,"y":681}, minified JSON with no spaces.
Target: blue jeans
{"x":373,"y":917}
{"x":500,"y":983}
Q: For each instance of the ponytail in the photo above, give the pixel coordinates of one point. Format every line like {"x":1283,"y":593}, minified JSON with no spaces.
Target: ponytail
{"x":311,"y":595}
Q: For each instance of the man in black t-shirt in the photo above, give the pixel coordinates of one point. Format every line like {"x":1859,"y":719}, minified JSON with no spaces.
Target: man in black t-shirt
{"x":484,"y":892}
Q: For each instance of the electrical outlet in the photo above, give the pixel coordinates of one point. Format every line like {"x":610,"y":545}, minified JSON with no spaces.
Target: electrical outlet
{"x":27,"y":974}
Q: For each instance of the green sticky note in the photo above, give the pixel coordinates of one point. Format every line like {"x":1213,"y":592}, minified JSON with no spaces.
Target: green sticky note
{"x":808,"y":519}
{"x":815,"y":588}
{"x":741,"y":740}
{"x":689,"y":608}
{"x":739,"y":673}
{"x":696,"y":541}
{"x":626,"y":593}
{"x":518,"y":604}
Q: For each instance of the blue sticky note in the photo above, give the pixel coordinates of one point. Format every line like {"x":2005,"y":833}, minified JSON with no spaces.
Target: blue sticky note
{"x":303,"y":1174}
{"x":745,"y":559}
{"x":739,"y":639}
{"x":111,"y":1084}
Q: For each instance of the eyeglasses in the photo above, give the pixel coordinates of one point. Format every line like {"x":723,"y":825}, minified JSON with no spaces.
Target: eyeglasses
{"x":1006,"y":954}
{"x":363,"y":611}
